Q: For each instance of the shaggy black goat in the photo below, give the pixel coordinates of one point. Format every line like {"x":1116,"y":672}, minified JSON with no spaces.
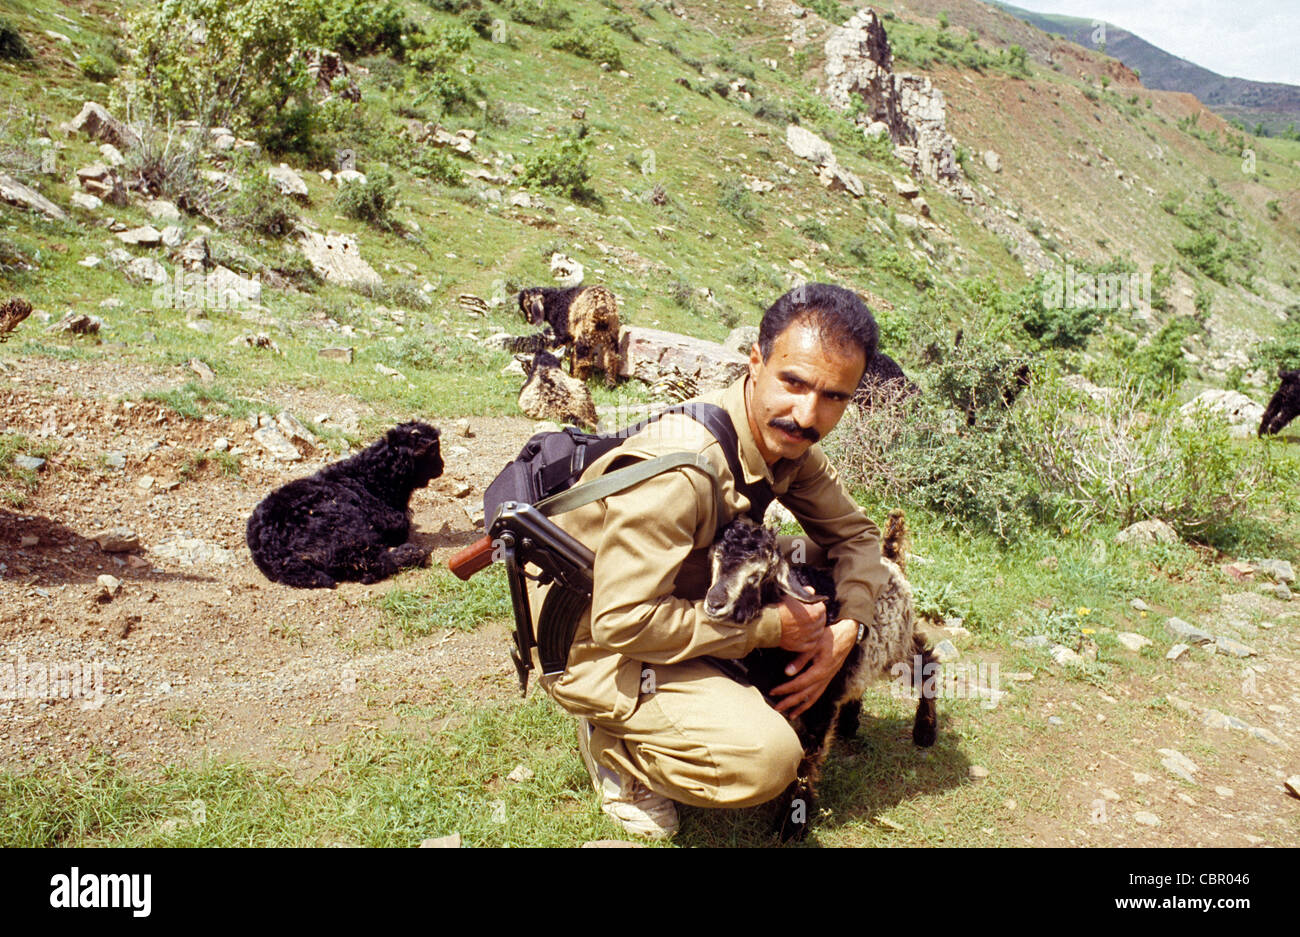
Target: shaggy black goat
{"x":1284,"y":406}
{"x":584,"y":316}
{"x":749,"y":572}
{"x":349,"y":521}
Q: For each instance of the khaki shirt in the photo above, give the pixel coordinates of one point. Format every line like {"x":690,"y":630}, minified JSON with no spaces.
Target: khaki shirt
{"x":652,"y":571}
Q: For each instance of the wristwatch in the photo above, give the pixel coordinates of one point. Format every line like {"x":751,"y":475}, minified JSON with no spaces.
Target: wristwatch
{"x":862,"y":632}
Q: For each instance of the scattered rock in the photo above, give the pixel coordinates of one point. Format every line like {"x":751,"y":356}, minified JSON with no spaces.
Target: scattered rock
{"x":146,"y":270}
{"x":274,"y":443}
{"x":520,"y":773}
{"x":348,"y":176}
{"x":86,"y":202}
{"x":1189,"y":633}
{"x":1064,"y":655}
{"x":205,"y":373}
{"x":461,"y":428}
{"x":1177,"y":651}
{"x":1242,"y":413}
{"x":1055,"y":721}
{"x":1177,"y":763}
{"x":741,"y":339}
{"x":1224,"y":791}
{"x":1226,"y":645}
{"x":1034,"y":640}
{"x":566,"y":271}
{"x":1134,"y":642}
{"x":992,"y":160}
{"x":189,"y":551}
{"x":1140,"y":777}
{"x":1281,"y":570}
{"x":945,"y":651}
{"x":442,"y":842}
{"x":101,"y":181}
{"x":171,"y":236}
{"x":230,"y":289}
{"x":118,"y":540}
{"x":221,"y":444}
{"x":287,"y":181}
{"x":978,"y":772}
{"x":1147,"y":532}
{"x":162,"y":210}
{"x":1109,"y":794}
{"x":1264,"y":735}
{"x":1146,"y":819}
{"x":15,"y":193}
{"x":77,"y":323}
{"x":651,"y":354}
{"x":98,"y":124}
{"x":337,"y":354}
{"x":1277,"y":590}
{"x":147,"y":236}
{"x":292,"y":428}
{"x":336,"y":258}
{"x":611,"y":844}
{"x":1213,"y":719}
{"x":109,"y":586}
{"x":144,"y":482}
{"x":29,"y":462}
{"x":260,"y":340}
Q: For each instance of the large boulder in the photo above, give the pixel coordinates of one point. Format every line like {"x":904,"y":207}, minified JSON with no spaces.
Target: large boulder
{"x":99,"y":124}
{"x":1242,"y":413}
{"x":807,"y":145}
{"x":652,"y":354}
{"x":15,"y":193}
{"x":287,"y":181}
{"x":103,"y":182}
{"x":336,"y":258}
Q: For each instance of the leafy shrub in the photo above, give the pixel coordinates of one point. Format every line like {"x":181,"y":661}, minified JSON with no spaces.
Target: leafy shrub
{"x":545,"y":14}
{"x":167,"y":165}
{"x":560,"y":168}
{"x":1283,"y":351}
{"x":1129,"y":456}
{"x":625,"y":25}
{"x":369,"y":201}
{"x":1162,"y":361}
{"x":259,"y":206}
{"x":354,"y":28}
{"x":1203,"y":252}
{"x":97,"y":67}
{"x":736,"y":200}
{"x":12,"y":44}
{"x":436,"y":53}
{"x":814,"y":230}
{"x":454,"y":6}
{"x":437,"y":165}
{"x":595,"y":44}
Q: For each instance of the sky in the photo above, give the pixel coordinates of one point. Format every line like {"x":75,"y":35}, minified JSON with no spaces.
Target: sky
{"x":1256,"y":39}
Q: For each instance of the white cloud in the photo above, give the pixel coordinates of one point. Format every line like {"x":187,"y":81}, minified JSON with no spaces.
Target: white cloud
{"x":1254,"y":39}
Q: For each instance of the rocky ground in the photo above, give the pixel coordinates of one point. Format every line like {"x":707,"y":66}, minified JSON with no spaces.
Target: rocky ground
{"x":202,"y":656}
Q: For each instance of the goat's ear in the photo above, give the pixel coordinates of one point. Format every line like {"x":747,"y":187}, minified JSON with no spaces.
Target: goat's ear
{"x":793,"y":586}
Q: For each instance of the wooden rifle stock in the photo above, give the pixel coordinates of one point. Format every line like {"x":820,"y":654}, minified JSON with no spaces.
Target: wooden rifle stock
{"x":476,"y":556}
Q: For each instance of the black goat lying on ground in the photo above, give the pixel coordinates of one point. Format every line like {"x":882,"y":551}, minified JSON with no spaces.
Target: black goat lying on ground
{"x":749,"y":572}
{"x":349,"y":521}
{"x":1284,"y":406}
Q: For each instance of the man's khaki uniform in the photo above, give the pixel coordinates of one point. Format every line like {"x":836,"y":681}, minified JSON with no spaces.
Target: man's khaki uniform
{"x":660,"y":713}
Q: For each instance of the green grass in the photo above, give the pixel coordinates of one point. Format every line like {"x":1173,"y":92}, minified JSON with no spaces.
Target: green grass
{"x":424,"y":602}
{"x":17,"y":484}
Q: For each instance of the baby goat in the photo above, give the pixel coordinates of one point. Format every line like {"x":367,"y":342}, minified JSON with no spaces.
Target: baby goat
{"x":749,"y":572}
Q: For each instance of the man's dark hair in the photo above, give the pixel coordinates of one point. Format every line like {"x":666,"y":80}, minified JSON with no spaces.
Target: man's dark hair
{"x":840,"y":314}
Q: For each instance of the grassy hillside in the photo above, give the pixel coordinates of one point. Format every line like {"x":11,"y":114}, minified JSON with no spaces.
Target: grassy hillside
{"x":645,"y":140}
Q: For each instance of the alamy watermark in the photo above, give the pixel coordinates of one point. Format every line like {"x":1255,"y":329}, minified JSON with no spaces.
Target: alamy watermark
{"x":194,"y":289}
{"x":934,"y":680}
{"x":36,"y":680}
{"x":1076,"y":289}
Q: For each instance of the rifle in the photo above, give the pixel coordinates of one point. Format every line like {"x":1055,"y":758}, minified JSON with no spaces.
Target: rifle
{"x":520,"y":535}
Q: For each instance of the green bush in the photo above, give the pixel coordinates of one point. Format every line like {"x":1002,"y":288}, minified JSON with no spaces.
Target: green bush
{"x":544,"y":14}
{"x":1161,"y":361}
{"x":97,"y":67}
{"x":438,"y":165}
{"x":354,"y":28}
{"x":1203,"y":252}
{"x":1283,"y":351}
{"x":736,"y":200}
{"x":598,"y":45}
{"x":561,"y":168}
{"x":369,"y":201}
{"x":259,"y":206}
{"x":12,"y":44}
{"x":436,"y":52}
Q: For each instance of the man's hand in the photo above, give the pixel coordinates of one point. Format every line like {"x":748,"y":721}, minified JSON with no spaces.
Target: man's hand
{"x":823,"y":663}
{"x":801,"y":625}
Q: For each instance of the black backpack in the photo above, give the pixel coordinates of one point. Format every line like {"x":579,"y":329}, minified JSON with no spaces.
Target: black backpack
{"x":544,"y":471}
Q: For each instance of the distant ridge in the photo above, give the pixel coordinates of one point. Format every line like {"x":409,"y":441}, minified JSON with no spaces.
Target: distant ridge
{"x":1273,"y":104}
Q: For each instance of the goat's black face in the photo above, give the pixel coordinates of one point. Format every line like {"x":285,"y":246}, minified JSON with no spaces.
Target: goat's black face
{"x":533,"y":306}
{"x":746,"y":562}
{"x":421,"y":440}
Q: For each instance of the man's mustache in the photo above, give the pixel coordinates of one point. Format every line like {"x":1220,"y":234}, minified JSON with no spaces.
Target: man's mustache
{"x":790,"y":426}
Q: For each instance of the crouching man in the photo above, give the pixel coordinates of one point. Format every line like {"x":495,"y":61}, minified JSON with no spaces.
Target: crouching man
{"x":659,"y":720}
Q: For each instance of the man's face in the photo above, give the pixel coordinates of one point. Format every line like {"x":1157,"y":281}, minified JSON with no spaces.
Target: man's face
{"x":799,"y":393}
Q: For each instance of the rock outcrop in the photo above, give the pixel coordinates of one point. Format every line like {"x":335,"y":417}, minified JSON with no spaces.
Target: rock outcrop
{"x":859,"y":67}
{"x":652,"y":354}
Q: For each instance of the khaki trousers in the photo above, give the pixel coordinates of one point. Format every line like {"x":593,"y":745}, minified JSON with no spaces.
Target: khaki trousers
{"x":700,"y":738}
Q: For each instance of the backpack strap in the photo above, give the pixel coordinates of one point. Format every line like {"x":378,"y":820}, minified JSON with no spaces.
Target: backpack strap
{"x":713,"y":418}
